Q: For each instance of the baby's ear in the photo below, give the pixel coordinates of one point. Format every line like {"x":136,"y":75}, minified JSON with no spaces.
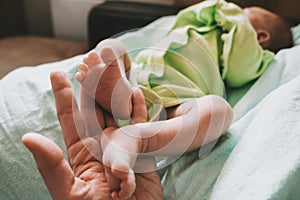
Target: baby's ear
{"x":263,"y":37}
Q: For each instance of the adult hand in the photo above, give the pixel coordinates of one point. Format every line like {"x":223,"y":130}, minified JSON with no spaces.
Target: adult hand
{"x":83,"y":177}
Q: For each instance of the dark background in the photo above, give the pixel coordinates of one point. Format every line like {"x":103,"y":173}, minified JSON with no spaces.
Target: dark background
{"x":15,"y":18}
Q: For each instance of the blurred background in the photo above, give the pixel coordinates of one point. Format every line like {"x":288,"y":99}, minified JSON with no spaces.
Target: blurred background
{"x":39,"y":31}
{"x":67,"y":19}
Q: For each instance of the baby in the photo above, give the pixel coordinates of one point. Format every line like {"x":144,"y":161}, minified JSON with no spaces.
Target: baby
{"x":183,"y":84}
{"x":272,"y":31}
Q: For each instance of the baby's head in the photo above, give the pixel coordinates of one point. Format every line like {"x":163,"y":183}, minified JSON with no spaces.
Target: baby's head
{"x":272,"y":31}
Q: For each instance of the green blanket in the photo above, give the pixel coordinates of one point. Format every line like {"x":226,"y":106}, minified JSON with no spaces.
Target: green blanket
{"x":209,"y":42}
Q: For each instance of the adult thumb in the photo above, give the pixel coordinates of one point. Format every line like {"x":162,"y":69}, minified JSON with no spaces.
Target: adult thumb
{"x":55,"y":170}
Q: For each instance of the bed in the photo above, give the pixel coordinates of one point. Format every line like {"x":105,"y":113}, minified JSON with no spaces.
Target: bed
{"x":258,"y":158}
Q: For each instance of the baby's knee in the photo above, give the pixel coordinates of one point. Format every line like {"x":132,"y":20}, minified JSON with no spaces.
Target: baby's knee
{"x":215,"y":102}
{"x":216,"y":110}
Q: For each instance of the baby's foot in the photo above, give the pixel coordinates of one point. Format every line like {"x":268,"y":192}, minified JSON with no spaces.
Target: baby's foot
{"x":121,"y":147}
{"x":119,"y":157}
{"x":102,"y":76}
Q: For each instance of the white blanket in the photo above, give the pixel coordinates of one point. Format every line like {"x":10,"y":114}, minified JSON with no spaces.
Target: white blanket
{"x":259,"y":157}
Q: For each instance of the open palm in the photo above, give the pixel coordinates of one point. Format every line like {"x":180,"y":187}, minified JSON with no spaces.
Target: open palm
{"x":83,"y":176}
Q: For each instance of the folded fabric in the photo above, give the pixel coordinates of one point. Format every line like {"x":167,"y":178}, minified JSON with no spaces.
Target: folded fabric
{"x":259,"y":157}
{"x":296,"y":34}
{"x":209,"y":42}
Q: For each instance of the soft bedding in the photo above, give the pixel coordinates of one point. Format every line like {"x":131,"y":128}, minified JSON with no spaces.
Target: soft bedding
{"x":259,"y":157}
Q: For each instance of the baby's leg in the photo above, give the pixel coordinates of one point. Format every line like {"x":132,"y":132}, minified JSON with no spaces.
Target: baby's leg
{"x":189,"y":126}
{"x":120,"y":151}
{"x":102,"y":76}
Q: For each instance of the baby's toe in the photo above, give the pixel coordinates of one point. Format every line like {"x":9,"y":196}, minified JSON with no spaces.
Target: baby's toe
{"x":109,"y":57}
{"x":83,"y":67}
{"x":80,"y":76}
{"x":92,"y":59}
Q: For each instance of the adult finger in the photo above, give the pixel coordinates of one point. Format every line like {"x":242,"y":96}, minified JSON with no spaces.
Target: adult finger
{"x":67,"y":108}
{"x":139,"y":110}
{"x":92,"y":114}
{"x":147,"y":179}
{"x":55,"y":170}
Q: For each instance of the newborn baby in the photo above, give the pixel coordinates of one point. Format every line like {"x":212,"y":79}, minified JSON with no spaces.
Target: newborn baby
{"x":273,"y":33}
{"x":183,"y":83}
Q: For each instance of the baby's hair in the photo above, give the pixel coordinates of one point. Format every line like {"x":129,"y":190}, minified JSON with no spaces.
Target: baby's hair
{"x":281,"y":36}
